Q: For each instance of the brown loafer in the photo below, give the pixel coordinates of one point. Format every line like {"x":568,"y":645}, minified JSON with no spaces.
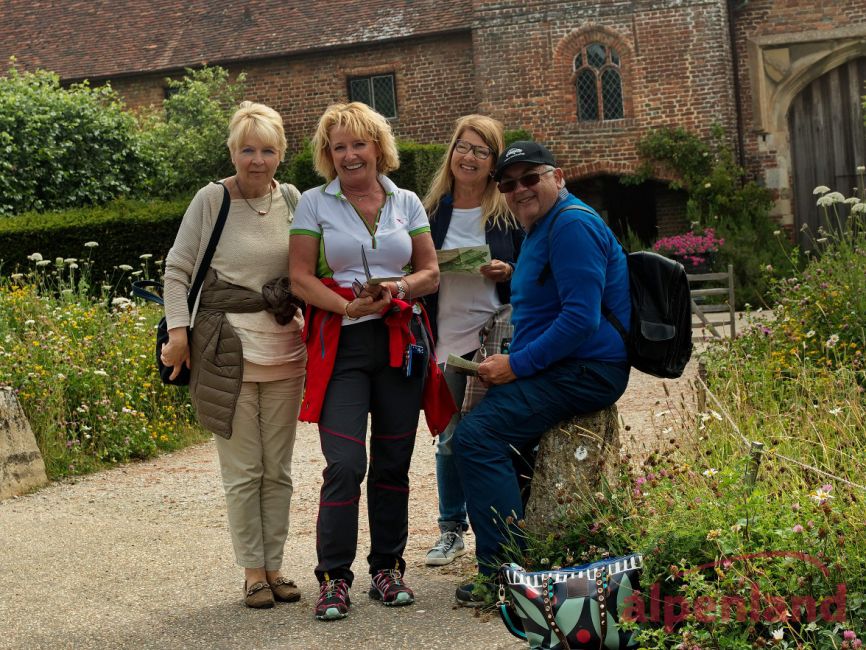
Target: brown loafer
{"x":285,"y":590}
{"x":258,"y":595}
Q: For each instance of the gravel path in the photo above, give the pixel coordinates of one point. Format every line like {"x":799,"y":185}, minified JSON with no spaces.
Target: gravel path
{"x":140,"y":557}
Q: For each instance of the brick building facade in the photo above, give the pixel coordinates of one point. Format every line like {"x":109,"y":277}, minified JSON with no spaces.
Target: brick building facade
{"x":690,"y":63}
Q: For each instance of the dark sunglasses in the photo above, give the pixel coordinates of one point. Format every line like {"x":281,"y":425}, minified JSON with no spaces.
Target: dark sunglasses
{"x":527,"y":180}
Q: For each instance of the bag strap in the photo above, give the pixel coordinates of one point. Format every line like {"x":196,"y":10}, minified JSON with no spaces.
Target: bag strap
{"x":290,"y":197}
{"x":546,"y":272}
{"x":140,"y":290}
{"x":194,"y":290}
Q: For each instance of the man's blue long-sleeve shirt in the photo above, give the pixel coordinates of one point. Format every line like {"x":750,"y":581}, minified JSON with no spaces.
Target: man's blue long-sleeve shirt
{"x":562,"y":318}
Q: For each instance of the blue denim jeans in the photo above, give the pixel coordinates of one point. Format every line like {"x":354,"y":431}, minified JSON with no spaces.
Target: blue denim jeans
{"x":452,"y":502}
{"x":514,"y":416}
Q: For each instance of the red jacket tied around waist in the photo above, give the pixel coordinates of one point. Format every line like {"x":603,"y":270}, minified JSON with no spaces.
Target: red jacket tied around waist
{"x":322,"y":335}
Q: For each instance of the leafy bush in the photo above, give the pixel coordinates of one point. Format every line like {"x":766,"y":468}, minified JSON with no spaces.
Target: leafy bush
{"x":85,"y":374}
{"x":721,"y":198}
{"x":64,"y":147}
{"x":187,"y":138}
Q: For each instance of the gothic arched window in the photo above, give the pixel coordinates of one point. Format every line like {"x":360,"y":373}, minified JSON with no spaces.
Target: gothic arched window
{"x":598,"y":83}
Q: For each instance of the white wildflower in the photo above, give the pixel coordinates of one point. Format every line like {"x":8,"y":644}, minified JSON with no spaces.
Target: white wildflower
{"x":125,"y":267}
{"x":66,"y":292}
{"x":821,"y":189}
{"x":779,"y":634}
{"x":716,"y":415}
{"x":859,"y":208}
{"x":707,"y":186}
{"x":16,"y":276}
{"x":29,"y":322}
{"x":810,"y":334}
{"x":146,"y":256}
{"x":861,"y":169}
{"x":136,"y":273}
{"x":58,"y":261}
{"x":777,"y":232}
{"x":70,"y":260}
{"x":709,"y":473}
{"x":832,"y":341}
{"x":35,"y":257}
{"x":835,"y":411}
{"x":100,"y":373}
{"x":852,"y":200}
{"x":43,"y":262}
{"x":61,"y":376}
{"x":73,"y":266}
{"x":91,"y":244}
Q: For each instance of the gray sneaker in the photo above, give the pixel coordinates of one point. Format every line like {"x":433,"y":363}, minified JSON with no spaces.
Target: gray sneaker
{"x":446,"y":550}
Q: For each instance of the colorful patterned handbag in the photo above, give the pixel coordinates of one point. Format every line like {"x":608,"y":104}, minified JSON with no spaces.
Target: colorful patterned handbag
{"x":570,"y":609}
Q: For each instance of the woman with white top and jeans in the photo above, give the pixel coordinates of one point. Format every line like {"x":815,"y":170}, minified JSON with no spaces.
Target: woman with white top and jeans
{"x":466,"y":209}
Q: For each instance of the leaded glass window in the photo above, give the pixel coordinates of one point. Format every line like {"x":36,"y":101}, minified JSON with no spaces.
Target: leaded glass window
{"x":377,"y":91}
{"x":598,"y":83}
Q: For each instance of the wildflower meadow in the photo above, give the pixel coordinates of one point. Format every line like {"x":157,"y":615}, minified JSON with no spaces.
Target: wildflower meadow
{"x":80,"y":357}
{"x":750,"y":518}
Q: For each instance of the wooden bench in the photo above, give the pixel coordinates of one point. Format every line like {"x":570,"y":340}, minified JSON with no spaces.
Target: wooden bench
{"x":575,"y":459}
{"x":701,"y":308}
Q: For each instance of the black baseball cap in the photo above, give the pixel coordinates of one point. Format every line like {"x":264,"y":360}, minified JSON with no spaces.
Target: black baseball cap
{"x":523,"y":151}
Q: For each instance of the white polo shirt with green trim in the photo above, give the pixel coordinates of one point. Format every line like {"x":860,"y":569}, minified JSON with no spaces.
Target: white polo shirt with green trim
{"x":324,"y":212}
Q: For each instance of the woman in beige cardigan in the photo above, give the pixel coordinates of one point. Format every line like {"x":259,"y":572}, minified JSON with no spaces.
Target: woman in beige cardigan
{"x":248,"y":393}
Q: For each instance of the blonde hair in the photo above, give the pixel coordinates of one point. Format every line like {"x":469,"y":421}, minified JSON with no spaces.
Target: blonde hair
{"x":362,"y":121}
{"x":260,"y":121}
{"x":493,"y":204}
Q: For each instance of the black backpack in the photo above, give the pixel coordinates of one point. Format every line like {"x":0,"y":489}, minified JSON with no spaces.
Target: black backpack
{"x":659,"y":340}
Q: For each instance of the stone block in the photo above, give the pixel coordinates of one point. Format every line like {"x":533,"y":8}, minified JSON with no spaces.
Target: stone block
{"x":575,"y":459}
{"x":21,"y":465}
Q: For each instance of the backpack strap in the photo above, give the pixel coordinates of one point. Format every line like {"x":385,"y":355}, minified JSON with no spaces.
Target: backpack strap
{"x":546,"y":272}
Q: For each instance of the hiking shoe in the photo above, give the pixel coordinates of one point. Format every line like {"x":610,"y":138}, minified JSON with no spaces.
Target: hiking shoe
{"x":472,"y":595}
{"x":446,"y":550}
{"x":388,"y":586}
{"x":333,"y":602}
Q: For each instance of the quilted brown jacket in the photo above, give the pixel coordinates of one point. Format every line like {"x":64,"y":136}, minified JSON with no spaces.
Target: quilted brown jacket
{"x":216,"y":355}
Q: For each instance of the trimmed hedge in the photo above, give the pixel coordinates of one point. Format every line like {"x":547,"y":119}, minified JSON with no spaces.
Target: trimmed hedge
{"x":124,"y":230}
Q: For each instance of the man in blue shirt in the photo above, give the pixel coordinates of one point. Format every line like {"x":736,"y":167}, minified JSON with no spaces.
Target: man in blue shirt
{"x":565,"y":357}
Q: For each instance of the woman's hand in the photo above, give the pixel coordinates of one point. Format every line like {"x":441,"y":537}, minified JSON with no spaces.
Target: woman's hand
{"x":175,"y":353}
{"x":366,"y":305}
{"x":497,"y":270}
{"x":496,"y":369}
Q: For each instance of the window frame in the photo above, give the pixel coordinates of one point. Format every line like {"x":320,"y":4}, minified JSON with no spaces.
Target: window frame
{"x":369,"y":79}
{"x":612,"y":63}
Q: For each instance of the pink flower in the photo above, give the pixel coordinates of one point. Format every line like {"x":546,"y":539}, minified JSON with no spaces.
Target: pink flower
{"x":849,"y":635}
{"x":797,"y":528}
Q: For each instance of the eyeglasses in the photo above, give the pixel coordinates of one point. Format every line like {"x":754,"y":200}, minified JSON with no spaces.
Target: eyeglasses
{"x":527,"y":180}
{"x":479,"y":151}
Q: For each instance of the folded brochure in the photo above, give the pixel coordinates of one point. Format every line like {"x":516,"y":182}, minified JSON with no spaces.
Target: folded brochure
{"x":467,"y":259}
{"x":462,"y":366}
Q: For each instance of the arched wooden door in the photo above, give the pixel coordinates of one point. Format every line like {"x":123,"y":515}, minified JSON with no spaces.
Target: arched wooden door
{"x":828,"y":140}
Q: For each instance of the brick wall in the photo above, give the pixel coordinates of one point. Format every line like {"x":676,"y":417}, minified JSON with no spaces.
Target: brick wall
{"x":434,"y":78}
{"x":675,"y":66}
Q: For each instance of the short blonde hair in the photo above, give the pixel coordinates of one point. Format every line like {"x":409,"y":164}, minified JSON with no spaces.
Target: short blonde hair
{"x":493,"y":205}
{"x":364,"y":122}
{"x":260,"y":121}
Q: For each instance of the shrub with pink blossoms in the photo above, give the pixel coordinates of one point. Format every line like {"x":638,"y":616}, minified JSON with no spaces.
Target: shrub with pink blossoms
{"x":691,"y":247}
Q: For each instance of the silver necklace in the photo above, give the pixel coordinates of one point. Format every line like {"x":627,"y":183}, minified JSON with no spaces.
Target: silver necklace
{"x":261,"y":213}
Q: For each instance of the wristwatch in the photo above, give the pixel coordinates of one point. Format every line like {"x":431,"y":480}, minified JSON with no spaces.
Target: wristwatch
{"x":401,"y":290}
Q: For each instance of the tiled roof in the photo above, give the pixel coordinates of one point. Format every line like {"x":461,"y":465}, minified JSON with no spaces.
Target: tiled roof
{"x":104,"y":38}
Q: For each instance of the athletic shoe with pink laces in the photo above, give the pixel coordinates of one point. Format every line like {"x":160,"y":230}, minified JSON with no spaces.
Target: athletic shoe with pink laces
{"x":388,"y":586}
{"x":333,"y":603}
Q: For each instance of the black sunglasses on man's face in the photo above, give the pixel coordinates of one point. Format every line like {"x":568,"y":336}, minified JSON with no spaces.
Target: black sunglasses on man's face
{"x":527,"y":180}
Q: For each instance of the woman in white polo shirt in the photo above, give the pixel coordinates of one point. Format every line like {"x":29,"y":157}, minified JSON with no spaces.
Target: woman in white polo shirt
{"x":359,"y":334}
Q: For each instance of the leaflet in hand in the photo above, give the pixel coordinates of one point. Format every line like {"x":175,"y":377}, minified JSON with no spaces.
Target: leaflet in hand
{"x":461,"y":365}
{"x":467,"y":260}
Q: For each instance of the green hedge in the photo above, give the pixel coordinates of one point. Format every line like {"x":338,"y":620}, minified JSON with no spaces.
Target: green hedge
{"x":124,"y":230}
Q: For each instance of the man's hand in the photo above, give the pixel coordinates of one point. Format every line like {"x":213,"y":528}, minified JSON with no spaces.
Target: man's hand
{"x":495,"y":370}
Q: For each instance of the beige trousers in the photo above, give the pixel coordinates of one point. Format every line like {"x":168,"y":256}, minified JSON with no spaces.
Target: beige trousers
{"x":256,"y":466}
